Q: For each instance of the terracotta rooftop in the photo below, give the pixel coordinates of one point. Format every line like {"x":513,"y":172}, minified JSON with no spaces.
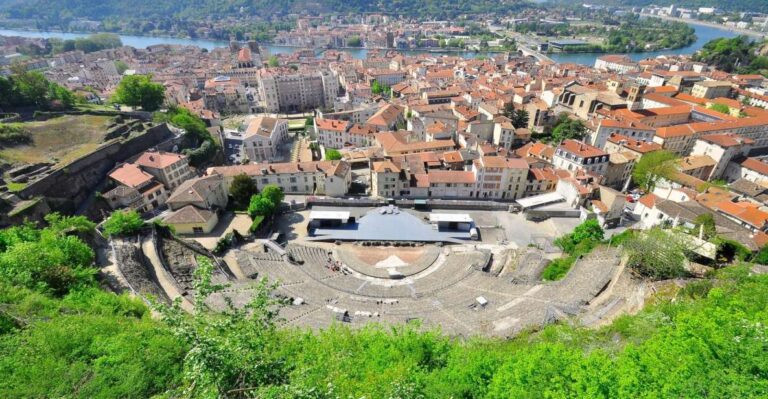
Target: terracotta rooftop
{"x":131,"y":175}
{"x":158,"y":159}
{"x":581,"y":149}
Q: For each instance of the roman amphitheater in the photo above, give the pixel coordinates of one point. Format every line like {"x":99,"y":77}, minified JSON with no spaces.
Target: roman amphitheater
{"x":490,"y":286}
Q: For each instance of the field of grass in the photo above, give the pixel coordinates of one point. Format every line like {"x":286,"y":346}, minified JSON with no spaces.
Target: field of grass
{"x":61,"y":139}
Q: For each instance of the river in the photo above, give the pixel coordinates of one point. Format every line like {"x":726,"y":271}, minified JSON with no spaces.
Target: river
{"x":703,"y":33}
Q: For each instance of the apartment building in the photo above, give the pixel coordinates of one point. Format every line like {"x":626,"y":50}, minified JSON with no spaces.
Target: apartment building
{"x":287,"y":90}
{"x":260,"y":139}
{"x":500,"y":178}
{"x":331,"y":178}
{"x":722,"y":148}
{"x":169,"y":168}
{"x":601,"y":130}
{"x":574,"y":155}
{"x":135,"y":189}
{"x":711,"y":89}
{"x":332,"y":133}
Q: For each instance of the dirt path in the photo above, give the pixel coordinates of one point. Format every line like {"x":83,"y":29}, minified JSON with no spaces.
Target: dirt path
{"x":165,"y":280}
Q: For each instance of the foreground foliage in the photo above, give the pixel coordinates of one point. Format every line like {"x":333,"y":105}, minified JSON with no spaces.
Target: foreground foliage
{"x":709,"y":342}
{"x":123,"y":223}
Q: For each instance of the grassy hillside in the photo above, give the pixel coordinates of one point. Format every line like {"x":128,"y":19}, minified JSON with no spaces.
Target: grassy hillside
{"x":60,"y":139}
{"x":61,"y":336}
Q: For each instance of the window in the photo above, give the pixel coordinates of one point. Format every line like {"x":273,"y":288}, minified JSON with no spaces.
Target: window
{"x":197,"y":230}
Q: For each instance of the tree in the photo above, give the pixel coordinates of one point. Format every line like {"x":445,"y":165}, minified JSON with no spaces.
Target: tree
{"x":274,"y":193}
{"x":273,"y":62}
{"x":140,"y":91}
{"x":379,"y":88}
{"x":266,"y":202}
{"x":653,"y":167}
{"x":354,"y":41}
{"x":332,"y":154}
{"x":657,"y":253}
{"x":32,"y":86}
{"x":520,"y":119}
{"x":121,"y":66}
{"x":231,"y":352}
{"x":705,"y":224}
{"x":123,"y":223}
{"x":197,"y":143}
{"x":242,"y":189}
{"x":568,"y":129}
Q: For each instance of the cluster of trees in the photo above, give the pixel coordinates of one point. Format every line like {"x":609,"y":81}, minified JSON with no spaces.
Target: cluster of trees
{"x":332,"y":154}
{"x":30,"y":88}
{"x":626,"y":34}
{"x":123,"y":223}
{"x":451,"y":43}
{"x":89,"y":44}
{"x":354,"y":41}
{"x":721,"y":108}
{"x":584,"y":238}
{"x":197,"y":143}
{"x":62,"y":12}
{"x":652,"y":168}
{"x":635,"y":34}
{"x":51,"y":260}
{"x":241,"y":190}
{"x":140,"y":91}
{"x":567,"y":128}
{"x":80,"y":341}
{"x":519,"y":117}
{"x":380,"y":88}
{"x":735,"y":55}
{"x":266,"y":203}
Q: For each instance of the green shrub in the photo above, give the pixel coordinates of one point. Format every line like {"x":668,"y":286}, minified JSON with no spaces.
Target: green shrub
{"x":123,"y":223}
{"x":557,"y":268}
{"x":761,"y":256}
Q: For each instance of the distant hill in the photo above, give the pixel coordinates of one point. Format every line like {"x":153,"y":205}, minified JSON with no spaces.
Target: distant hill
{"x":62,"y":10}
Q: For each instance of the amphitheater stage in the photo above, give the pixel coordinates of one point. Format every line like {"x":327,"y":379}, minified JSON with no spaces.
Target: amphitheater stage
{"x":389,"y":224}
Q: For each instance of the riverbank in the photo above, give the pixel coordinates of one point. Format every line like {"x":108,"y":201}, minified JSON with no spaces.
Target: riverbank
{"x":704,"y":34}
{"x":748,"y":32}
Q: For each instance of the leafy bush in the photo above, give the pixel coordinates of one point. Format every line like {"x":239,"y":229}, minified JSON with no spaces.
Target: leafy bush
{"x":589,"y":230}
{"x":332,"y":154}
{"x":652,"y":167}
{"x":47,"y":260}
{"x":13,"y":134}
{"x":140,"y":91}
{"x":761,"y":256}
{"x":657,"y":254}
{"x":557,"y":268}
{"x":730,"y":250}
{"x":266,"y":202}
{"x":241,"y":190}
{"x":123,"y":223}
